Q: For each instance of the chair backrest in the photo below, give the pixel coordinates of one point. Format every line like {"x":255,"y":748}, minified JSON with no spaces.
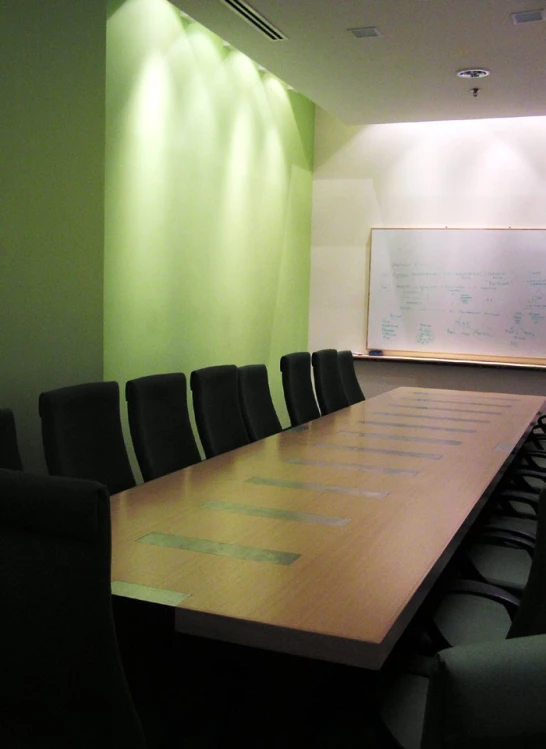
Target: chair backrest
{"x":330,"y":393}
{"x":351,"y":386}
{"x":487,"y":695}
{"x":9,"y":447}
{"x":259,"y":413}
{"x":160,"y":424}
{"x":217,"y":409}
{"x":530,"y":618}
{"x":298,"y":388}
{"x":82,"y":435}
{"x":62,"y":682}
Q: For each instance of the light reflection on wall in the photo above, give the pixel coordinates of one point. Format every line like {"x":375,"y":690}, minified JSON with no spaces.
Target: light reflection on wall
{"x":206,"y":261}
{"x":476,"y":173}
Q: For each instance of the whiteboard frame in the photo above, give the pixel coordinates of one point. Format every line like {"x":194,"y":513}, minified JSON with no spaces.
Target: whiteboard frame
{"x":440,"y":356}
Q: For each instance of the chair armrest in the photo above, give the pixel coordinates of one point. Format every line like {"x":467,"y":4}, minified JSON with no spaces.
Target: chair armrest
{"x":512,"y":537}
{"x":485,"y":590}
{"x":515,"y":495}
{"x":535,"y":441}
{"x":540,"y":424}
{"x":475,"y":587}
{"x":488,"y":695}
{"x":519,"y":475}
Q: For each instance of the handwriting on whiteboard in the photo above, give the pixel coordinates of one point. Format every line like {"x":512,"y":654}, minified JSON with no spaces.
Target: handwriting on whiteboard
{"x":459,"y":291}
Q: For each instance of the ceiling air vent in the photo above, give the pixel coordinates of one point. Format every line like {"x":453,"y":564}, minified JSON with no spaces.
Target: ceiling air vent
{"x":366,"y":32}
{"x":251,"y":16}
{"x":528,"y":16}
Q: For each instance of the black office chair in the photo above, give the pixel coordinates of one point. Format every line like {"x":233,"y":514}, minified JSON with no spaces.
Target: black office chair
{"x":476,"y":696}
{"x":488,"y":695}
{"x":330,"y":393}
{"x":82,"y":435}
{"x":493,"y":555}
{"x":9,"y":446}
{"x":62,"y":683}
{"x":471,"y":611}
{"x":259,"y":413}
{"x":160,"y":424}
{"x":477,"y":618}
{"x":298,"y":388}
{"x":536,"y":439}
{"x":351,"y":386}
{"x":217,"y":410}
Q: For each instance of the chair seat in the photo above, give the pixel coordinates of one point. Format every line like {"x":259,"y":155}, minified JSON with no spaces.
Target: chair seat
{"x":466,"y":620}
{"x":502,"y":566}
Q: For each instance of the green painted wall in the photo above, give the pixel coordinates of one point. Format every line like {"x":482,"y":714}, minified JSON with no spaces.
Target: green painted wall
{"x":208,"y":202}
{"x":197,"y":251}
{"x":52,"y":100}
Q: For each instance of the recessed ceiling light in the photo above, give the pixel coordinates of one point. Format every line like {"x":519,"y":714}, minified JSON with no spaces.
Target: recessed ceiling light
{"x":366,"y":32}
{"x":473,"y":73}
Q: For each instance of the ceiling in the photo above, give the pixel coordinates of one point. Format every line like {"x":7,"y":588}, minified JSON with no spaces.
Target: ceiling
{"x":407,"y":74}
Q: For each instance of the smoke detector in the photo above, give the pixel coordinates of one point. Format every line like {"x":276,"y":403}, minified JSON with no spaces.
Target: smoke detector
{"x":473,"y":73}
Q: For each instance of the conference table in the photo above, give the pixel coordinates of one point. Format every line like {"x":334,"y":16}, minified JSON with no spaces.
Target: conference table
{"x":324,"y":540}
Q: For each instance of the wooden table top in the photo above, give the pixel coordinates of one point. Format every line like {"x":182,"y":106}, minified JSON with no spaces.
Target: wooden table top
{"x":323,"y":540}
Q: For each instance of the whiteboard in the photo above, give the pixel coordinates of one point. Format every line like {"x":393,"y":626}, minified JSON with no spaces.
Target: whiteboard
{"x":458,"y":292}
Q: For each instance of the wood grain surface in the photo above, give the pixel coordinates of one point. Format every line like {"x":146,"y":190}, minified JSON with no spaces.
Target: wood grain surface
{"x":406,"y":471}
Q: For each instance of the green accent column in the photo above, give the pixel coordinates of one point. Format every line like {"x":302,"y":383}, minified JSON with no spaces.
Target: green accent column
{"x":52,"y":99}
{"x":208,"y":202}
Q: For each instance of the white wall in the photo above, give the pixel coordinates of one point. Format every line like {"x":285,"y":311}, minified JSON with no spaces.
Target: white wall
{"x":380,"y":374}
{"x":475,"y":173}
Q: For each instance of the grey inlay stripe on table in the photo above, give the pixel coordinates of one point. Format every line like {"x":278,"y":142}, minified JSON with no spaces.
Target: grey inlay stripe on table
{"x":432,"y":418}
{"x":402,"y":437}
{"x":502,"y":399}
{"x":400,"y":453}
{"x":352,"y":466}
{"x":417,"y":426}
{"x":286,"y":484}
{"x":220,"y":548}
{"x":502,"y":448}
{"x":275,"y":513}
{"x":147,"y":593}
{"x":456,"y":410}
{"x":459,"y":403}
